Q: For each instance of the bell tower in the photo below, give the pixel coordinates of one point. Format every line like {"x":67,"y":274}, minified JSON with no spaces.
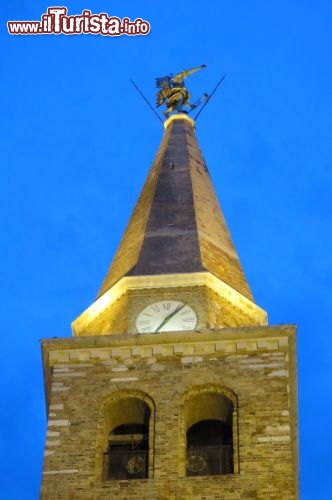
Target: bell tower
{"x":173,"y":385}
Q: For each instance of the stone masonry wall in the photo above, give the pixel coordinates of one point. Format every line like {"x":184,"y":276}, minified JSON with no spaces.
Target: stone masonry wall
{"x":255,"y":364}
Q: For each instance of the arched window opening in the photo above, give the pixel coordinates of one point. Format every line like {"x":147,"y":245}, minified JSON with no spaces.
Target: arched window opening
{"x":128,"y":441}
{"x":209,"y":448}
{"x":209,"y":436}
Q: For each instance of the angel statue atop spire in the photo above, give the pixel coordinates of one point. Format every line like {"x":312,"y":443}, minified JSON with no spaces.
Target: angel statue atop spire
{"x":173,"y":92}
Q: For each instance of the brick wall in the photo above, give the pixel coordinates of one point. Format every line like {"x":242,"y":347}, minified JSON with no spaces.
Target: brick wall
{"x":255,"y":364}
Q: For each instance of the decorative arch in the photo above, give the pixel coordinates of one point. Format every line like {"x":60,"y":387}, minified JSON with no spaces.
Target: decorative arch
{"x":126,"y":435}
{"x":209,"y":431}
{"x":211,"y":387}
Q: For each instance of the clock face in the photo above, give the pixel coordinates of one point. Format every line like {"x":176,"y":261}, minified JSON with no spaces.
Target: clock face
{"x":166,"y":316}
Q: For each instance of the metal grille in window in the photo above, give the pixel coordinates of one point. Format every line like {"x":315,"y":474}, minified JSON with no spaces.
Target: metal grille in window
{"x":210,"y":460}
{"x":129,"y":464}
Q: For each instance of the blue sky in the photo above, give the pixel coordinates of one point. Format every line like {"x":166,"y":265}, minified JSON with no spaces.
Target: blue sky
{"x":76,"y":142}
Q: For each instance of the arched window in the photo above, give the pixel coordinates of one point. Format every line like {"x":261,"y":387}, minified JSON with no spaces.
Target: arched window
{"x":209,"y":434}
{"x":127,"y":454}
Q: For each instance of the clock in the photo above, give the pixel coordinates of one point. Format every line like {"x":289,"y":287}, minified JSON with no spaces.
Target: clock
{"x":166,"y":316}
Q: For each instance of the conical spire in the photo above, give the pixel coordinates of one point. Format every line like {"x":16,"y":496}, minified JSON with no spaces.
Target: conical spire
{"x":177,"y":225}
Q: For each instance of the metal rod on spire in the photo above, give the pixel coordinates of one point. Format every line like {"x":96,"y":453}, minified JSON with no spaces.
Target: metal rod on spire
{"x":147,"y":102}
{"x":199,"y":101}
{"x":209,"y":98}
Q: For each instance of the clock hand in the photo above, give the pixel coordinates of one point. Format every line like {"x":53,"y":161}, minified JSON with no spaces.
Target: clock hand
{"x":169,"y":317}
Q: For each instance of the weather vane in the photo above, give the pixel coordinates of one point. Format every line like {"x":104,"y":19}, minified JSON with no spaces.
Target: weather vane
{"x":174,"y":94}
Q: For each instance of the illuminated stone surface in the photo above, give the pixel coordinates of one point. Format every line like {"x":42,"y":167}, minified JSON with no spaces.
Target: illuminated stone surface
{"x":176,"y":247}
